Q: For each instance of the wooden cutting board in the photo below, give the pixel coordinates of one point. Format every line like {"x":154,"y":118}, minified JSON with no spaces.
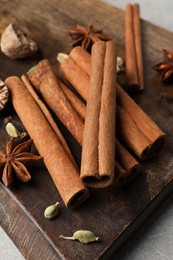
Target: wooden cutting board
{"x":112,"y":214}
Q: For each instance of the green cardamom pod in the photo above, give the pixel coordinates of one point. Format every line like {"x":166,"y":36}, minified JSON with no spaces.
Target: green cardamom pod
{"x":52,"y":211}
{"x":120,"y":64}
{"x":84,"y":236}
{"x":32,"y":69}
{"x":12,"y":130}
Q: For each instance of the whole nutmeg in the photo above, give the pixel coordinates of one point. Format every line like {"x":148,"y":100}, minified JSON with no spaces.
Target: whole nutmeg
{"x":16,"y":44}
{"x":4,"y":95}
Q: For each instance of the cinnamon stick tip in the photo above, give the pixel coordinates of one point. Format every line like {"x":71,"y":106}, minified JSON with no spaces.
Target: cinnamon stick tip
{"x":78,"y":198}
{"x":10,"y":78}
{"x":134,"y":87}
{"x":153,"y":149}
{"x":128,"y":7}
{"x":95,"y":182}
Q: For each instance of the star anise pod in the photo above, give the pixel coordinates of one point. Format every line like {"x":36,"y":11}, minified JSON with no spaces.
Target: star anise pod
{"x":86,"y":36}
{"x":165,"y":68}
{"x":14,"y":162}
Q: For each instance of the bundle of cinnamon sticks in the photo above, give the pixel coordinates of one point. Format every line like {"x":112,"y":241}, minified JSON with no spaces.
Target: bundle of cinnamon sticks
{"x":109,"y":115}
{"x":64,"y":97}
{"x":140,"y":133}
{"x":48,"y":140}
{"x":98,"y":148}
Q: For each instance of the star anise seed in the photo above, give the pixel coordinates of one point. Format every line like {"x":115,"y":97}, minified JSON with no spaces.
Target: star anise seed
{"x":14,"y":161}
{"x":165,"y":68}
{"x":86,"y":36}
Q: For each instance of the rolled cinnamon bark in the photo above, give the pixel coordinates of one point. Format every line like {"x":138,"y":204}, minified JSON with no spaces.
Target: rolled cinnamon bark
{"x":153,"y":137}
{"x":142,"y":123}
{"x":48,"y":116}
{"x":138,"y":142}
{"x":71,"y":75}
{"x":126,"y":166}
{"x":127,"y":162}
{"x":133,"y":47}
{"x":138,"y":44}
{"x":131,"y":64}
{"x":78,"y":105}
{"x":58,"y":163}
{"x":83,"y":57}
{"x":45,"y":81}
{"x":98,"y":149}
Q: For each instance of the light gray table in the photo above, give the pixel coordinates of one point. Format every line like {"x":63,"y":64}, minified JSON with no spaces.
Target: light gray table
{"x":154,"y":241}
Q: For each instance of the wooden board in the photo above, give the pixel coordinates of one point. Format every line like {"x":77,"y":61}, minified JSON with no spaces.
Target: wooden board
{"x":111,"y":214}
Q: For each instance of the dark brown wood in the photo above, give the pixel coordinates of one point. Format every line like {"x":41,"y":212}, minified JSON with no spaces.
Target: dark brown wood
{"x":109,"y":213}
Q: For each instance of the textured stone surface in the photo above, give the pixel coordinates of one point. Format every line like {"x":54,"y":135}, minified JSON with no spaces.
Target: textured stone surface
{"x":7,"y":248}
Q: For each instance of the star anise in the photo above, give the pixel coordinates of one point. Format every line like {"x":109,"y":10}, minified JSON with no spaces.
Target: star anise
{"x":13,"y":163}
{"x":86,"y":36}
{"x":165,"y":68}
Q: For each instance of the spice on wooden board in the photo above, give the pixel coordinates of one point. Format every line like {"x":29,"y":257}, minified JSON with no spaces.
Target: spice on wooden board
{"x":83,"y":236}
{"x":49,"y":117}
{"x":45,"y":81}
{"x":86,"y":36}
{"x":12,"y":130}
{"x":133,"y":47}
{"x":15,"y":43}
{"x":98,"y":147}
{"x":17,"y":124}
{"x":152,"y":137}
{"x":126,"y":166}
{"x":52,"y":211}
{"x":62,"y":170}
{"x":4,"y":95}
{"x":165,"y":67}
{"x":14,"y":162}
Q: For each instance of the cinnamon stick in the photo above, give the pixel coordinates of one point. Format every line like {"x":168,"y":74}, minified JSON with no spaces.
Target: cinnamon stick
{"x":48,"y":116}
{"x":44,"y":80}
{"x":98,"y":150}
{"x":138,"y":44}
{"x":126,"y":166}
{"x":142,"y":123}
{"x":133,"y":47}
{"x":78,"y":105}
{"x":128,"y":163}
{"x":58,"y":163}
{"x":83,"y":57}
{"x":72,"y":76}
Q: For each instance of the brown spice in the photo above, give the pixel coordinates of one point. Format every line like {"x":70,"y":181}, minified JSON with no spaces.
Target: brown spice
{"x":62,"y":170}
{"x":133,"y":47}
{"x":86,"y":36}
{"x":135,"y":116}
{"x":15,"y":43}
{"x":98,"y":147}
{"x":14,"y":161}
{"x":126,"y":166}
{"x":48,"y":116}
{"x":4,"y":95}
{"x":46,"y":83}
{"x":165,"y":68}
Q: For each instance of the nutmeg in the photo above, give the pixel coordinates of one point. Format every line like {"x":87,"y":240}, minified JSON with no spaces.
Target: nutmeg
{"x":4,"y":95}
{"x":16,"y":44}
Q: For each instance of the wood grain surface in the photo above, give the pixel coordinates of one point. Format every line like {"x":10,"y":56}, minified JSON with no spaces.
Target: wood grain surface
{"x":110,"y":213}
